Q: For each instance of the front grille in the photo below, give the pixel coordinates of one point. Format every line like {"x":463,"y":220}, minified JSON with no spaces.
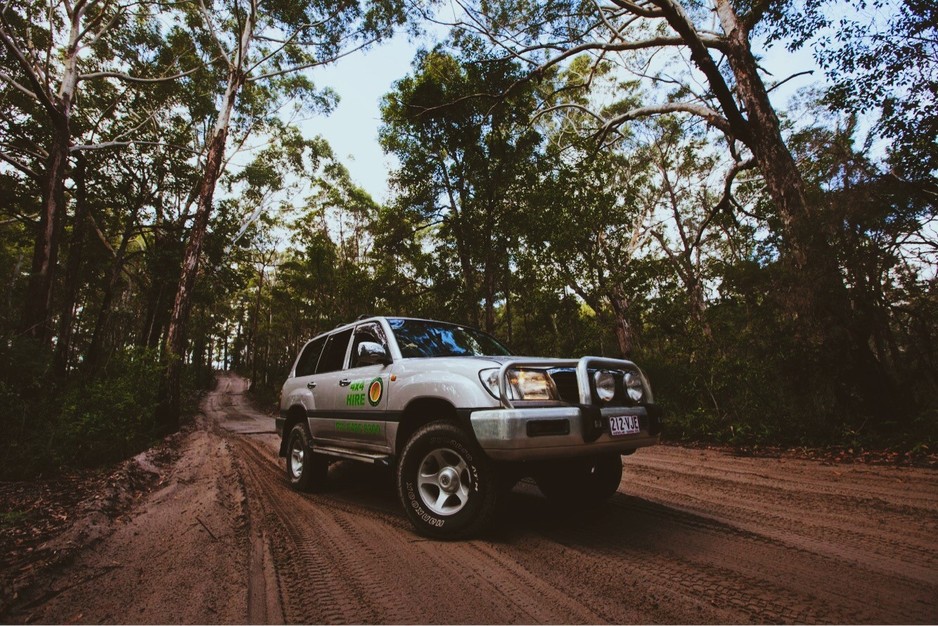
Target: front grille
{"x":566,"y":383}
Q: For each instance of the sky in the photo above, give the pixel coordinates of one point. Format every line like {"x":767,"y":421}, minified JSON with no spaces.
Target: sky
{"x":361,"y":79}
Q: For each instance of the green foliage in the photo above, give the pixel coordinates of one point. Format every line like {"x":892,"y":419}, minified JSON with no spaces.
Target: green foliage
{"x":746,"y":386}
{"x":880,"y":59}
{"x":505,"y":213}
{"x":84,"y":422}
{"x":111,"y":417}
{"x":468,"y":164}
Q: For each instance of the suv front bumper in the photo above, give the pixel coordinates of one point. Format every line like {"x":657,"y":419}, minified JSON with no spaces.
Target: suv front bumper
{"x":527,"y":434}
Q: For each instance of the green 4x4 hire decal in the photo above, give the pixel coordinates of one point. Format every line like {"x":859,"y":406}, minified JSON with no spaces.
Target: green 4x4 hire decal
{"x":357,"y":395}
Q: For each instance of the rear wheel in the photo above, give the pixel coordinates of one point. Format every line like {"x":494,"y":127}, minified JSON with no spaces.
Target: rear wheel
{"x":448,"y":488}
{"x":583,"y":482}
{"x":306,"y":470}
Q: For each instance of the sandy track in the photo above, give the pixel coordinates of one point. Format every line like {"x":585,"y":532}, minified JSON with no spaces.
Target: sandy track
{"x":692,"y":536}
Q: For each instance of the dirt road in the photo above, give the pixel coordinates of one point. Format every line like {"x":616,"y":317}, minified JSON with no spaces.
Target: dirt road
{"x":692,"y":536}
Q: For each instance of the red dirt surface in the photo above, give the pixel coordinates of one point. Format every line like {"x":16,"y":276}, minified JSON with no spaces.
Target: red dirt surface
{"x":207,"y":531}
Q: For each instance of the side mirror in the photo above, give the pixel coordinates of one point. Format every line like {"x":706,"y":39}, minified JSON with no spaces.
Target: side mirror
{"x":371,"y":353}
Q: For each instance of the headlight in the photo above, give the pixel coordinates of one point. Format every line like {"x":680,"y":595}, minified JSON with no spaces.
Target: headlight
{"x":633,"y":386}
{"x":523,"y":384}
{"x":605,"y":385}
{"x":531,"y":385}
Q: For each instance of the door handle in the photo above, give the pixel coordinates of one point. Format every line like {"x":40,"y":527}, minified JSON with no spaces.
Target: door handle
{"x":345,"y":382}
{"x":310,"y":385}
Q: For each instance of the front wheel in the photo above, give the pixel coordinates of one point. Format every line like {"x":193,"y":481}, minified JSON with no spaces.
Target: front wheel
{"x":448,"y":488}
{"x":582,"y":482}
{"x":306,"y":470}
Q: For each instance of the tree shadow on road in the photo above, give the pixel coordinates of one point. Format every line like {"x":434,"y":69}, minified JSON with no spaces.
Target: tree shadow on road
{"x":630,"y":519}
{"x":526,"y":513}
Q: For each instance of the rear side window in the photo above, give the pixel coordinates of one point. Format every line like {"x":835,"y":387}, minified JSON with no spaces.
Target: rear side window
{"x":307,"y":363}
{"x":333,"y":356}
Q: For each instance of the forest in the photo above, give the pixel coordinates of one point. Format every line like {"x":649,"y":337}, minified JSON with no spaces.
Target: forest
{"x":608,"y":177}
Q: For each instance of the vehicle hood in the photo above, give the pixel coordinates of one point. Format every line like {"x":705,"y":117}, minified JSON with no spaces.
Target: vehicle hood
{"x":482,"y":362}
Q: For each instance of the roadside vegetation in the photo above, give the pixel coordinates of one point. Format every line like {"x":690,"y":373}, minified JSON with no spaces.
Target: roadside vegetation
{"x":591,"y":178}
{"x":82,"y":422}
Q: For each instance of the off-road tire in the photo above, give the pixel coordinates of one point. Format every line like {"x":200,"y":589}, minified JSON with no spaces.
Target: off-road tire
{"x":449,"y":489}
{"x":306,"y":471}
{"x":581,"y":482}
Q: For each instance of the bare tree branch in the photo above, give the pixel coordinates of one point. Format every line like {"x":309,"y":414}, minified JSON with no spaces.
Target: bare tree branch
{"x":94,"y":23}
{"x":782,"y":82}
{"x":104,"y":29}
{"x":304,"y":66}
{"x":678,"y":19}
{"x":567,"y":105}
{"x":210,"y":25}
{"x":19,"y":166}
{"x":41,"y":93}
{"x":136,"y":79}
{"x":12,"y":82}
{"x":738,"y":166}
{"x":709,"y":115}
{"x":637,"y":9}
{"x":285,"y":42}
{"x":617,"y":31}
{"x":125,"y":144}
{"x":35,"y":151}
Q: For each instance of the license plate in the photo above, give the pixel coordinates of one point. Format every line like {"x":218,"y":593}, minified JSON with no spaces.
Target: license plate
{"x":623,"y":425}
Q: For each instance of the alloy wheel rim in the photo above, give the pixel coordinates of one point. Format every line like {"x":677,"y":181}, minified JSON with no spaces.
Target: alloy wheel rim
{"x":297,"y":456}
{"x":444,"y":481}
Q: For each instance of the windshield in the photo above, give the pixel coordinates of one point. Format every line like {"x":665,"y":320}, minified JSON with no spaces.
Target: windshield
{"x":422,"y":338}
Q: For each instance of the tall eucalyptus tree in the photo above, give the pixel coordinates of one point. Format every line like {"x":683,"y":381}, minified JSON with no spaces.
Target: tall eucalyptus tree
{"x":261,"y":47}
{"x":52,"y":50}
{"x":699,"y":58}
{"x":466,"y":170}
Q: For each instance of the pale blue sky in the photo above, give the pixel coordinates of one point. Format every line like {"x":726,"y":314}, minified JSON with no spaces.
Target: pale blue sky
{"x":361,"y":79}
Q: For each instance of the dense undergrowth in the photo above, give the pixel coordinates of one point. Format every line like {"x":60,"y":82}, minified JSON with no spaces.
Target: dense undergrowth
{"x":50,"y":425}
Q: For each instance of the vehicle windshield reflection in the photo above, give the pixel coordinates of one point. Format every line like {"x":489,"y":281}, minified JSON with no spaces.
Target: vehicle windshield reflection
{"x":420,"y":338}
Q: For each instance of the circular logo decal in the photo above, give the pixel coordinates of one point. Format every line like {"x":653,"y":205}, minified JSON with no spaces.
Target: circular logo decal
{"x":375,"y":389}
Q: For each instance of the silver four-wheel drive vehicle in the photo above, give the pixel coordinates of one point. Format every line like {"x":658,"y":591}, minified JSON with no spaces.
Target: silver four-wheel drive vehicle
{"x":460,"y":419}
